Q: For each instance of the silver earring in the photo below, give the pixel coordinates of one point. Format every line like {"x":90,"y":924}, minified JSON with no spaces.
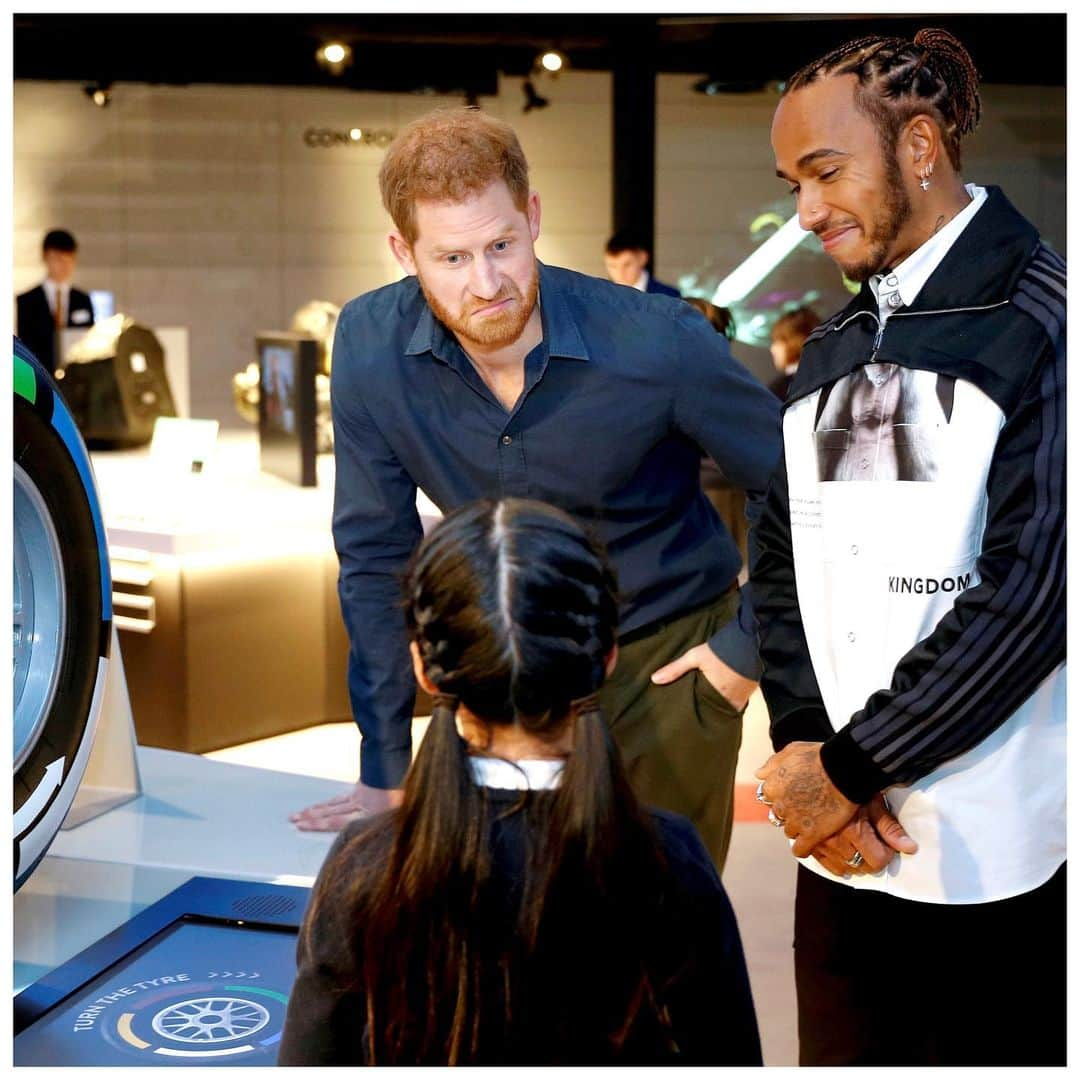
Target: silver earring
{"x":927,"y":172}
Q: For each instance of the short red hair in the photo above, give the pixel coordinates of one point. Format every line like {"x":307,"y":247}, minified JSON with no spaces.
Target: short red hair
{"x":448,"y":156}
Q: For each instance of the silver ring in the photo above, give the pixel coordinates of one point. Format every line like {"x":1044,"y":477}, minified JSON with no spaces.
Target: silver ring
{"x":774,"y":820}
{"x":760,"y":796}
{"x":855,"y":861}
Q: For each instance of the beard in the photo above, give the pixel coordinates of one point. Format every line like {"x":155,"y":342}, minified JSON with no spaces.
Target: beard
{"x":496,"y":331}
{"x":884,"y":229}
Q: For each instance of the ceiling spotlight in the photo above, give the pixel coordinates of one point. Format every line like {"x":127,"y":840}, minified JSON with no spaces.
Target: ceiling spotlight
{"x":532,"y":99}
{"x":334,"y":56}
{"x":99,"y":93}
{"x":553,"y":60}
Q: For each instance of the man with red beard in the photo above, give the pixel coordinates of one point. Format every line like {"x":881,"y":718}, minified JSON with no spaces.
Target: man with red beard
{"x":485,"y":373}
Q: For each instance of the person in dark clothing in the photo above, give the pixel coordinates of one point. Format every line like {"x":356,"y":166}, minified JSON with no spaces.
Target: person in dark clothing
{"x":786,"y":341}
{"x":55,"y":303}
{"x":485,"y":373}
{"x":519,"y":907}
{"x":628,"y":259}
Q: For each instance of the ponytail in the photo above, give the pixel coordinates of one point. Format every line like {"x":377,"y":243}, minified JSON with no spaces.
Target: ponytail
{"x":595,"y":884}
{"x":428,"y":894}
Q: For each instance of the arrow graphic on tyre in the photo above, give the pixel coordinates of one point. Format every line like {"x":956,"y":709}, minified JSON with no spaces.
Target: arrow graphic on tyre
{"x":40,"y":796}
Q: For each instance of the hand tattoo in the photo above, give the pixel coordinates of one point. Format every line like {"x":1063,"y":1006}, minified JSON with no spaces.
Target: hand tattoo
{"x":808,"y":792}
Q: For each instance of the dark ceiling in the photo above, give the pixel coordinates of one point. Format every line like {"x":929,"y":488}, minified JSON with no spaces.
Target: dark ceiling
{"x":465,"y":53}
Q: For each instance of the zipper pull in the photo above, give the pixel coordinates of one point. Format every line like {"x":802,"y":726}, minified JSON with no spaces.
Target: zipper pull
{"x":877,"y":341}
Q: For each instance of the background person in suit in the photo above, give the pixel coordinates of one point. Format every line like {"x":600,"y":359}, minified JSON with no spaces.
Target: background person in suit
{"x":55,"y":303}
{"x":628,"y":261}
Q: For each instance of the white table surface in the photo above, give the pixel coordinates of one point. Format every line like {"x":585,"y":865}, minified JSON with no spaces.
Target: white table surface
{"x":195,"y":818}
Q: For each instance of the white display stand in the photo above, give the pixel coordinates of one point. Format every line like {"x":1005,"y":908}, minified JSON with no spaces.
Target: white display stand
{"x":112,"y":773}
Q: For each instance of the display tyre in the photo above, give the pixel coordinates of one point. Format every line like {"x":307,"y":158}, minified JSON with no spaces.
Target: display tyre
{"x":62,"y":610}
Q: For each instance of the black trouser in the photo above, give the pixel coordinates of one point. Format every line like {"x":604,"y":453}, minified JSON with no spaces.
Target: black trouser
{"x":884,"y":981}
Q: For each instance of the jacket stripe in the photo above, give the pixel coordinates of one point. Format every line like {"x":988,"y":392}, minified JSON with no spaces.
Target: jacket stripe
{"x":1049,"y":276}
{"x":1051,"y":257}
{"x":1044,"y":299}
{"x":990,"y":660}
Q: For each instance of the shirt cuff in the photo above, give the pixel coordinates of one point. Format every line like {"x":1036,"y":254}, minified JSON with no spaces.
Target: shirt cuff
{"x":809,"y":724}
{"x":736,"y":641}
{"x":851,"y":768}
{"x":384,"y":766}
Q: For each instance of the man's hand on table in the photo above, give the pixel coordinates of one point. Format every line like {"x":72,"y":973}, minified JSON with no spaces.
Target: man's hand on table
{"x":332,"y":815}
{"x":724,"y":680}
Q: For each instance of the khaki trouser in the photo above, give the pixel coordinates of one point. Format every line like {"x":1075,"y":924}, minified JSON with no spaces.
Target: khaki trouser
{"x":679,"y":742}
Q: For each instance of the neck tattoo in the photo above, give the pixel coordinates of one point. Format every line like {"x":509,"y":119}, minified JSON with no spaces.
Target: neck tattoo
{"x":940,"y":223}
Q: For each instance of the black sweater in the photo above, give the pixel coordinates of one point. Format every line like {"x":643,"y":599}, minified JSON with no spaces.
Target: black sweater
{"x":708,"y":1004}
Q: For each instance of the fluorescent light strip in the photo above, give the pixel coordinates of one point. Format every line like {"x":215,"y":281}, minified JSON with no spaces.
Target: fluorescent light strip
{"x":760,"y":263}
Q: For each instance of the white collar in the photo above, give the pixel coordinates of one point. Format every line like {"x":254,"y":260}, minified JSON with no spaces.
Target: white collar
{"x":907,"y":279}
{"x":642,"y":283}
{"x":528,"y":774}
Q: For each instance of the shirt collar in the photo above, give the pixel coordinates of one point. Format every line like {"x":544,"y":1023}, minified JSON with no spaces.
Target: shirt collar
{"x":528,"y":774}
{"x":561,"y":333}
{"x":642,"y":283}
{"x":906,"y":280}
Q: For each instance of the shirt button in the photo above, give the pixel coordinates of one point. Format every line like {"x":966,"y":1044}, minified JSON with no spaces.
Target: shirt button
{"x":854,"y":549}
{"x":895,"y":300}
{"x":851,"y":635}
{"x":507,"y":440}
{"x":892,"y":280}
{"x":864,"y":464}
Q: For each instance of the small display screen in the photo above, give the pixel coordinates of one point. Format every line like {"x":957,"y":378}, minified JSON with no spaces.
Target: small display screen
{"x":279,"y":384}
{"x":197,"y":993}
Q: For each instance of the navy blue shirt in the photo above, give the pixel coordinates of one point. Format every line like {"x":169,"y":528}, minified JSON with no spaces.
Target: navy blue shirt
{"x":622,"y":395}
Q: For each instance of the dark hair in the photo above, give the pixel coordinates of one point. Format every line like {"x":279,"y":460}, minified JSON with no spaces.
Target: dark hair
{"x":795,"y":326}
{"x":898,"y":79}
{"x":723,"y":321}
{"x":513,"y":609}
{"x":627,"y":240}
{"x":59,"y":240}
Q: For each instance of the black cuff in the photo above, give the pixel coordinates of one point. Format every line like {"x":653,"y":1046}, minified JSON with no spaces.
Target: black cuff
{"x":851,"y":768}
{"x":810,"y":724}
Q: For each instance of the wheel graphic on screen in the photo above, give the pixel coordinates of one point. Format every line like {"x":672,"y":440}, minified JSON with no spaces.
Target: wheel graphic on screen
{"x":61,"y":610}
{"x":209,"y":1020}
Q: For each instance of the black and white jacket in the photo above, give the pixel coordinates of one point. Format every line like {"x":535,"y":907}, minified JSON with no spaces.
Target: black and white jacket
{"x":915,"y":623}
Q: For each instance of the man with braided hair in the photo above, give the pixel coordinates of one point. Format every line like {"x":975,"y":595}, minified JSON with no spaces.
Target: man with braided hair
{"x":910,"y":584}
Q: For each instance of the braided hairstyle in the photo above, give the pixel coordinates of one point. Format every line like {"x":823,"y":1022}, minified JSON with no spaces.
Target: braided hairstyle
{"x":898,"y":79}
{"x":513,"y":609}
